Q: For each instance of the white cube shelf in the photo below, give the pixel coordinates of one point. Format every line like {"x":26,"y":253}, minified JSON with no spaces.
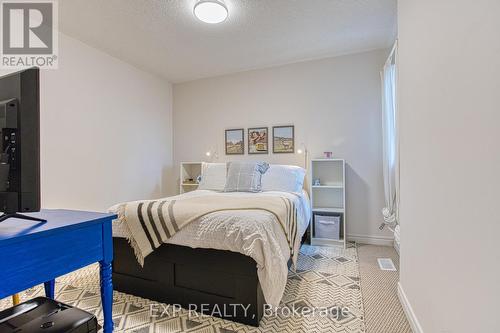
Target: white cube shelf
{"x":328,"y":197}
{"x":189,"y":170}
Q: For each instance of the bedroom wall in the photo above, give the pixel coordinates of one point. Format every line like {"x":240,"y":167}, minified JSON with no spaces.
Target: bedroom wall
{"x":334,"y":104}
{"x":106,"y":130}
{"x":449,"y":60}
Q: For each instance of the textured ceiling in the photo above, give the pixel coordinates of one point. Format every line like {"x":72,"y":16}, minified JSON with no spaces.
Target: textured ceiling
{"x":163,"y":36}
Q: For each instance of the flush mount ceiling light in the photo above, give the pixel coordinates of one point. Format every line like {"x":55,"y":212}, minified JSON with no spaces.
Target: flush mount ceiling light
{"x":210,"y":11}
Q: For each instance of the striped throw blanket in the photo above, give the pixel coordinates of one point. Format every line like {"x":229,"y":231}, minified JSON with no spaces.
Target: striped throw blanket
{"x":151,"y":223}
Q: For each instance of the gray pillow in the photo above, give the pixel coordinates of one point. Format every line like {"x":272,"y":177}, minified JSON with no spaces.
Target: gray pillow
{"x":245,"y":176}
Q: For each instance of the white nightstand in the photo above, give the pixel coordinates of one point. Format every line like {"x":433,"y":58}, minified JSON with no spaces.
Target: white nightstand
{"x":189,"y":170}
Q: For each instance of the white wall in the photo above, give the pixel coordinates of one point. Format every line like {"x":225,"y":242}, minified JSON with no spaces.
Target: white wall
{"x":450,"y":163}
{"x":334,"y":104}
{"x":106,"y":130}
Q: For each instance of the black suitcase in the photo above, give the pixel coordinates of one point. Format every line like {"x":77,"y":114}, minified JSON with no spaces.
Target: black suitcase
{"x":43,"y":315}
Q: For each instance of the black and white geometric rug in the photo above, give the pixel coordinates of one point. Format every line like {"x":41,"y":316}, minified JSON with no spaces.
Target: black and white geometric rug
{"x":322,"y":295}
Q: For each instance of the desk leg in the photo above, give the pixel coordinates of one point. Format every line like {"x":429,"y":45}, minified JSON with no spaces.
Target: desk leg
{"x":50,"y":288}
{"x":107,"y":296}
{"x":16,"y":299}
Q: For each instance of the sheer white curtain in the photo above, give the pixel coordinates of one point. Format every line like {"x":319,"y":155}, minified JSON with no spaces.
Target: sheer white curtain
{"x":390,"y":140}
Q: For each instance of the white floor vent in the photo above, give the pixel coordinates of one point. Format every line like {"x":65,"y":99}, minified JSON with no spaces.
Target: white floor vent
{"x":386,"y":264}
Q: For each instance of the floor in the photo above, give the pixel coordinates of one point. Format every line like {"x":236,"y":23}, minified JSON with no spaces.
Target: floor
{"x":324,"y":290}
{"x":383,"y":312}
{"x":325,"y":277}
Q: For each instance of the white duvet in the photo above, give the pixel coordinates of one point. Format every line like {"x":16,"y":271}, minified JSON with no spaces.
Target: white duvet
{"x":254,"y":233}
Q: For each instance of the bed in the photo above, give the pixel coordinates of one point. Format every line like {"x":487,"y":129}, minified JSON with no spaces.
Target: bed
{"x":227,"y":263}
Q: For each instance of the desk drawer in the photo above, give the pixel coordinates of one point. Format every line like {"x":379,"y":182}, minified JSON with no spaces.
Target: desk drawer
{"x":38,"y":259}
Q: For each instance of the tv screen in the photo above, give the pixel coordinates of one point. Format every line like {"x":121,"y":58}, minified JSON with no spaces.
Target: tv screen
{"x":20,"y":143}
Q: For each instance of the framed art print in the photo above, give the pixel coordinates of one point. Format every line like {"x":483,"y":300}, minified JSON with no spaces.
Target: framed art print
{"x":235,"y":145}
{"x":258,"y":140}
{"x":283,"y":139}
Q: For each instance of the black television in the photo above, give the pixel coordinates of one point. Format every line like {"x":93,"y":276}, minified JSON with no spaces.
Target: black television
{"x":20,"y":144}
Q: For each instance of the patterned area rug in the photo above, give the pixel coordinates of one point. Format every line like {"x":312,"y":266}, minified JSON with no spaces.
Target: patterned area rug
{"x":324,"y":292}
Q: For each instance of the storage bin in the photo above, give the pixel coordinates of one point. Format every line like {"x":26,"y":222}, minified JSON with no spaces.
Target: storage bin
{"x":327,"y":226}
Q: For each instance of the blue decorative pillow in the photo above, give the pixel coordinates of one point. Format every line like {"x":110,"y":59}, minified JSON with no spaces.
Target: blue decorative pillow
{"x":245,"y":176}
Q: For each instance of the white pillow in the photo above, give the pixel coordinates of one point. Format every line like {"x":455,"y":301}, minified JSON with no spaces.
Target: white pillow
{"x":213,"y":176}
{"x":285,"y":178}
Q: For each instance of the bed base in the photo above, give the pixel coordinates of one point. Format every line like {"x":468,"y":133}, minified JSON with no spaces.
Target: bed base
{"x":207,"y":279}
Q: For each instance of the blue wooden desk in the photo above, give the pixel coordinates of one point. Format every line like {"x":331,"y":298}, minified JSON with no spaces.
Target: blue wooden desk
{"x":37,"y":252}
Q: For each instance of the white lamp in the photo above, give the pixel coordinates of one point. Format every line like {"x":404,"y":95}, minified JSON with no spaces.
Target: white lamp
{"x":212,"y":155}
{"x":302,"y":150}
{"x":211,"y":11}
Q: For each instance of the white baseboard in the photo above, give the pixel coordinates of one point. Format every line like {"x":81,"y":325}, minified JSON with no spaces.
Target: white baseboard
{"x":371,"y":240}
{"x":410,"y":315}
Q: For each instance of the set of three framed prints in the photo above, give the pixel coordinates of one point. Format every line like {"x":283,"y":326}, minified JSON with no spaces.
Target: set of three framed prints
{"x":258,"y":140}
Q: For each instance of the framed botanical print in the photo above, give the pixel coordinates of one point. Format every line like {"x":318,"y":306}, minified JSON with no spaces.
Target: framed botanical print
{"x":235,"y":145}
{"x":258,"y":140}
{"x":283,"y":139}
